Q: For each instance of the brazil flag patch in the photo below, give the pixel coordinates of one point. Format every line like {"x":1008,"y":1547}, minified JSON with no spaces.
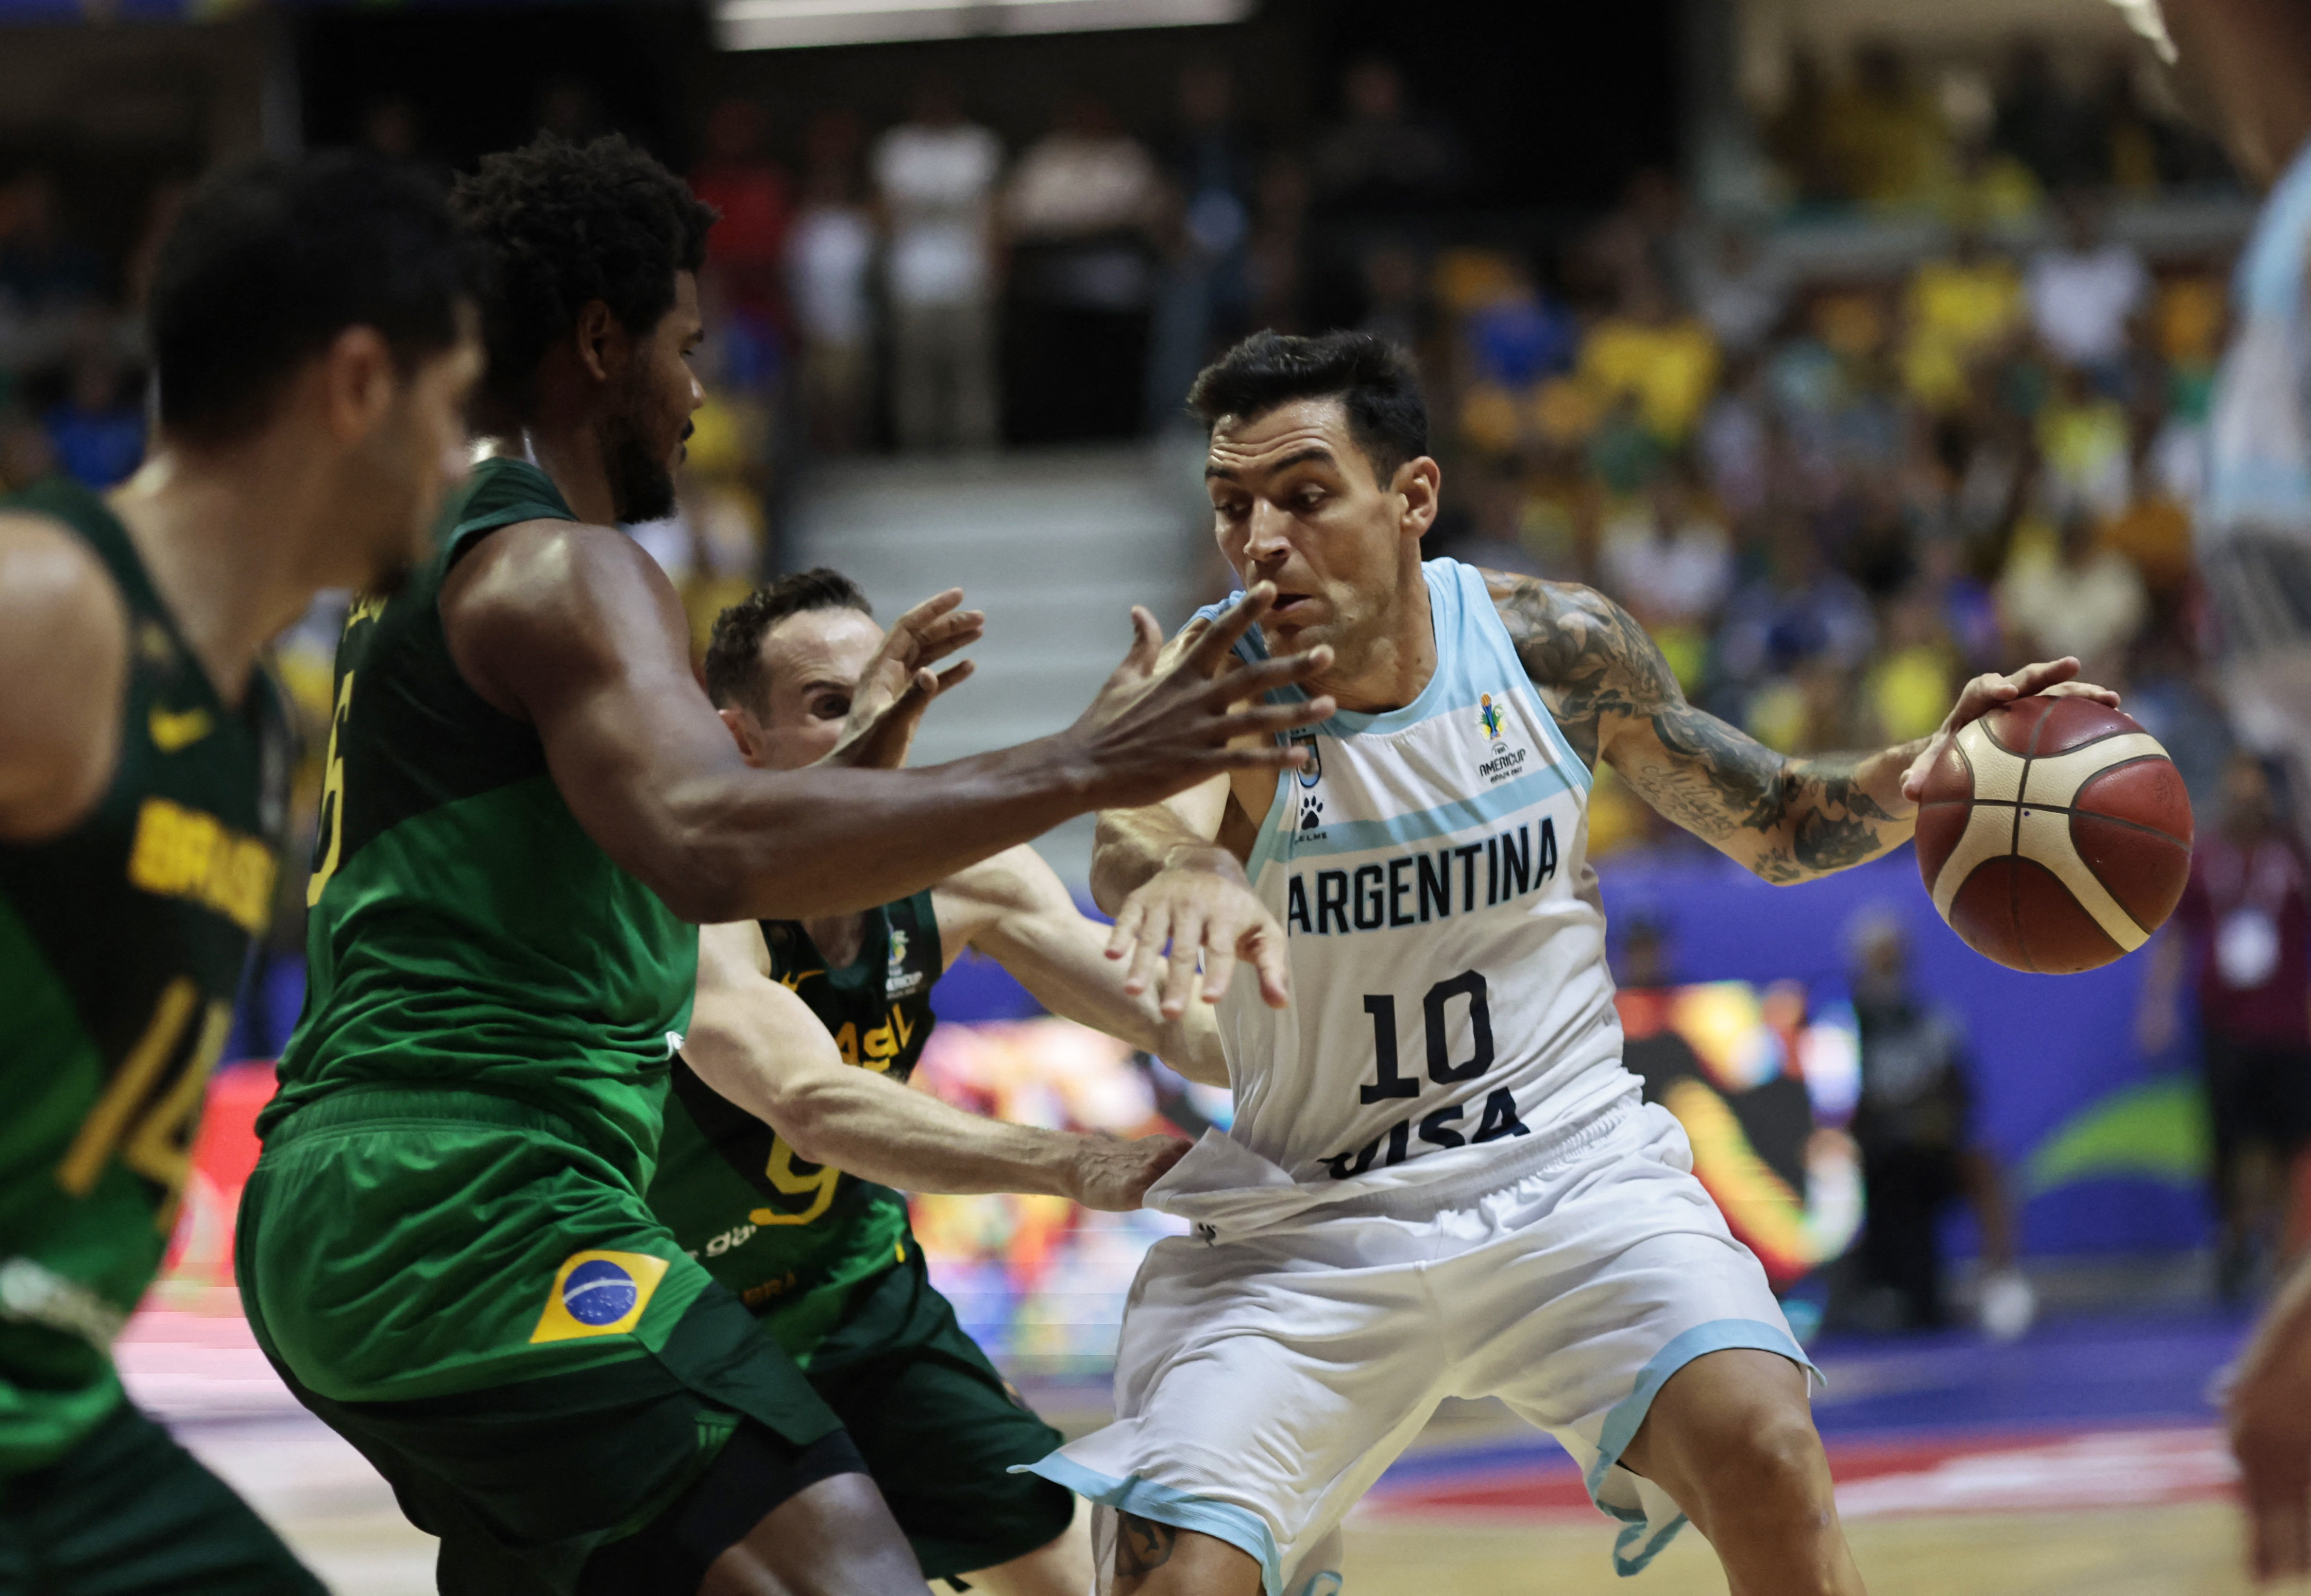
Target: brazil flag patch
{"x":599,"y":1294}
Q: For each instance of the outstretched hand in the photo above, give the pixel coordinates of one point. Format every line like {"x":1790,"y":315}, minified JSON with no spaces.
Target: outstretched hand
{"x":899,"y":684}
{"x":2054,"y":678}
{"x":1212,"y":912}
{"x":1162,"y":725}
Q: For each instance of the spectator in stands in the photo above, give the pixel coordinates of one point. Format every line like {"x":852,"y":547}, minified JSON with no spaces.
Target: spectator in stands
{"x":1958,"y":309}
{"x":1275,"y":262}
{"x":1656,"y":355}
{"x":2072,"y":596}
{"x":1670,"y":563}
{"x":1380,"y":158}
{"x":936,"y":174}
{"x":747,"y":247}
{"x":830,"y":254}
{"x":1205,"y":301}
{"x":1080,"y":208}
{"x":1742,"y":290}
{"x":1921,"y":1151}
{"x":2242,"y":934}
{"x":98,"y":432}
{"x":43,"y":268}
{"x":1799,"y":612}
{"x":2085,"y":294}
{"x":2037,"y":120}
{"x":1885,"y":132}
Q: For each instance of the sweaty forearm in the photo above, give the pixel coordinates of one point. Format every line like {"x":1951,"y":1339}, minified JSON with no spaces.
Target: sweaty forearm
{"x":788,"y":845}
{"x":876,"y":1129}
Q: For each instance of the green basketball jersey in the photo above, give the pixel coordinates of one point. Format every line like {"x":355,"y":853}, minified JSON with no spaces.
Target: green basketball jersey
{"x":122,"y":945}
{"x":465,"y":931}
{"x":791,"y":1237}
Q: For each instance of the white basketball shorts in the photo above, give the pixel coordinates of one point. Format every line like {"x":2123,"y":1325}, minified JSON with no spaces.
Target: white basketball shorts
{"x":1262,"y":1384}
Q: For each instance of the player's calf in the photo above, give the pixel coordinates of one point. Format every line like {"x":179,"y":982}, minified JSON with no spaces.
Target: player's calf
{"x":1731,"y":1439}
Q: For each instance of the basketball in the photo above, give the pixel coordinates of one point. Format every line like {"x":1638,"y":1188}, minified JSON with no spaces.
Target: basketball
{"x":2055,"y":834}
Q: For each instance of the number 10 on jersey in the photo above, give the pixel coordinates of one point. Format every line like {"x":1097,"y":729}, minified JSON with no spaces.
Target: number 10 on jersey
{"x":1442,"y":1127}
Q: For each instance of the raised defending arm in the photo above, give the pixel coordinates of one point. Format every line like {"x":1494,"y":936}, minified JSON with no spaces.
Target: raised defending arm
{"x":573,"y":629}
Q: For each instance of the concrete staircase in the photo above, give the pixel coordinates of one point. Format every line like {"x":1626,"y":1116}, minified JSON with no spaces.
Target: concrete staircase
{"x":1056,"y":546}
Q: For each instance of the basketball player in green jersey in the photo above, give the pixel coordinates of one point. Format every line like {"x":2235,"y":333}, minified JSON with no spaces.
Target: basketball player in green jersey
{"x":786,"y":1194}
{"x":528,"y":802}
{"x":314,"y":349}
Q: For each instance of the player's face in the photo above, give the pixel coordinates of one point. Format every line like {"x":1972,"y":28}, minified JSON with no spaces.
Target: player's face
{"x":647,"y":423}
{"x":811,"y":661}
{"x":415,"y":454}
{"x":1295,"y":502}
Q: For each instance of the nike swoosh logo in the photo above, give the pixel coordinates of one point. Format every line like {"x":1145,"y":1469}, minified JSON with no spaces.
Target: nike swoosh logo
{"x":175,"y":730}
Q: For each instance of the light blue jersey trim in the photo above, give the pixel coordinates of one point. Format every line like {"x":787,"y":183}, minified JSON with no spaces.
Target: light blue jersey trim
{"x":1640,"y":1542}
{"x":1355,"y":836}
{"x":1475,"y":655}
{"x":1239,"y":1527}
{"x":2270,"y":274}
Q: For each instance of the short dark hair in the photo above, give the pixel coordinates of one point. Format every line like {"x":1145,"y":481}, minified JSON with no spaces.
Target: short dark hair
{"x":563,"y":224}
{"x":734,"y":655}
{"x":271,"y":259}
{"x":1371,"y":378}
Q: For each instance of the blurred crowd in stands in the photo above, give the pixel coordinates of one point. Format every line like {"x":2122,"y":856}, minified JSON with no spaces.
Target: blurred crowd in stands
{"x":1831,"y":493}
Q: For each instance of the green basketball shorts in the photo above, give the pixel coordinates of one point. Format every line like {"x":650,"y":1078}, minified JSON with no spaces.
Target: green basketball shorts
{"x":458,"y":1285}
{"x":938,"y":1426}
{"x":130,"y":1512}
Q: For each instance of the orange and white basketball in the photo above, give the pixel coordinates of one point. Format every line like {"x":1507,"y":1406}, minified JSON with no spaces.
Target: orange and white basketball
{"x":2055,"y":834}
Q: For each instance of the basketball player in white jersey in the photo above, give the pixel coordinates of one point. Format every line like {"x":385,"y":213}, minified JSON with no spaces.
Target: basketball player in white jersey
{"x":1440,"y":1181}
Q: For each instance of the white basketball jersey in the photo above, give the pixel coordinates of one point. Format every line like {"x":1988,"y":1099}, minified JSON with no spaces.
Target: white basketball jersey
{"x":1429,"y":865}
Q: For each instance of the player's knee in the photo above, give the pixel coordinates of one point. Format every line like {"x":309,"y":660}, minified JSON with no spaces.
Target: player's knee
{"x":1774,"y":1460}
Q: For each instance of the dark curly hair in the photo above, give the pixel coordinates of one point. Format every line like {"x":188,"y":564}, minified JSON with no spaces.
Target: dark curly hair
{"x":734,"y":655}
{"x":272,"y":259}
{"x":562,"y":225}
{"x":1371,"y":378}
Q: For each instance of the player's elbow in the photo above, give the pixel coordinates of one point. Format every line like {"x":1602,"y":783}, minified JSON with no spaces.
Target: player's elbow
{"x":806,"y":1109}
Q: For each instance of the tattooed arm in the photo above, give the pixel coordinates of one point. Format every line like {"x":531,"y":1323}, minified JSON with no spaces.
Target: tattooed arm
{"x":1788,"y":820}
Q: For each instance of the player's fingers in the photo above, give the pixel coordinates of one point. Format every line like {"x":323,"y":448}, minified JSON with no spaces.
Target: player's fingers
{"x":1180,"y":975}
{"x":1270,"y":958}
{"x":1148,"y":957}
{"x":1231,"y":624}
{"x":1221,"y":938}
{"x":1124,"y":933}
{"x":922,"y":614}
{"x":2104,"y":696}
{"x":948,"y":634}
{"x":2037,"y":678}
{"x":1252,"y":681}
{"x":953,"y":676}
{"x":1146,"y":642}
{"x":1265,"y":721}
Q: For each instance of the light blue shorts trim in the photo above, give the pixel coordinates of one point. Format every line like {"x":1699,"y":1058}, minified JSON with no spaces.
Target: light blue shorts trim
{"x":1239,"y":1527}
{"x":1640,"y":1540}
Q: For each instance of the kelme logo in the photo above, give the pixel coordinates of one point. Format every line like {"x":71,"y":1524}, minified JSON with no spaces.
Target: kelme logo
{"x":599,"y":1294}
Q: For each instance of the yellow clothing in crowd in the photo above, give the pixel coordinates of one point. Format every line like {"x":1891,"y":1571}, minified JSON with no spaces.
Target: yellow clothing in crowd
{"x":1668,"y":368}
{"x":1956,"y":312}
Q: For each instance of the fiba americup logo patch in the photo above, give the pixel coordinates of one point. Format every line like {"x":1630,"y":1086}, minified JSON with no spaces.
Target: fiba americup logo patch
{"x":1493,"y":721}
{"x":599,"y":1294}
